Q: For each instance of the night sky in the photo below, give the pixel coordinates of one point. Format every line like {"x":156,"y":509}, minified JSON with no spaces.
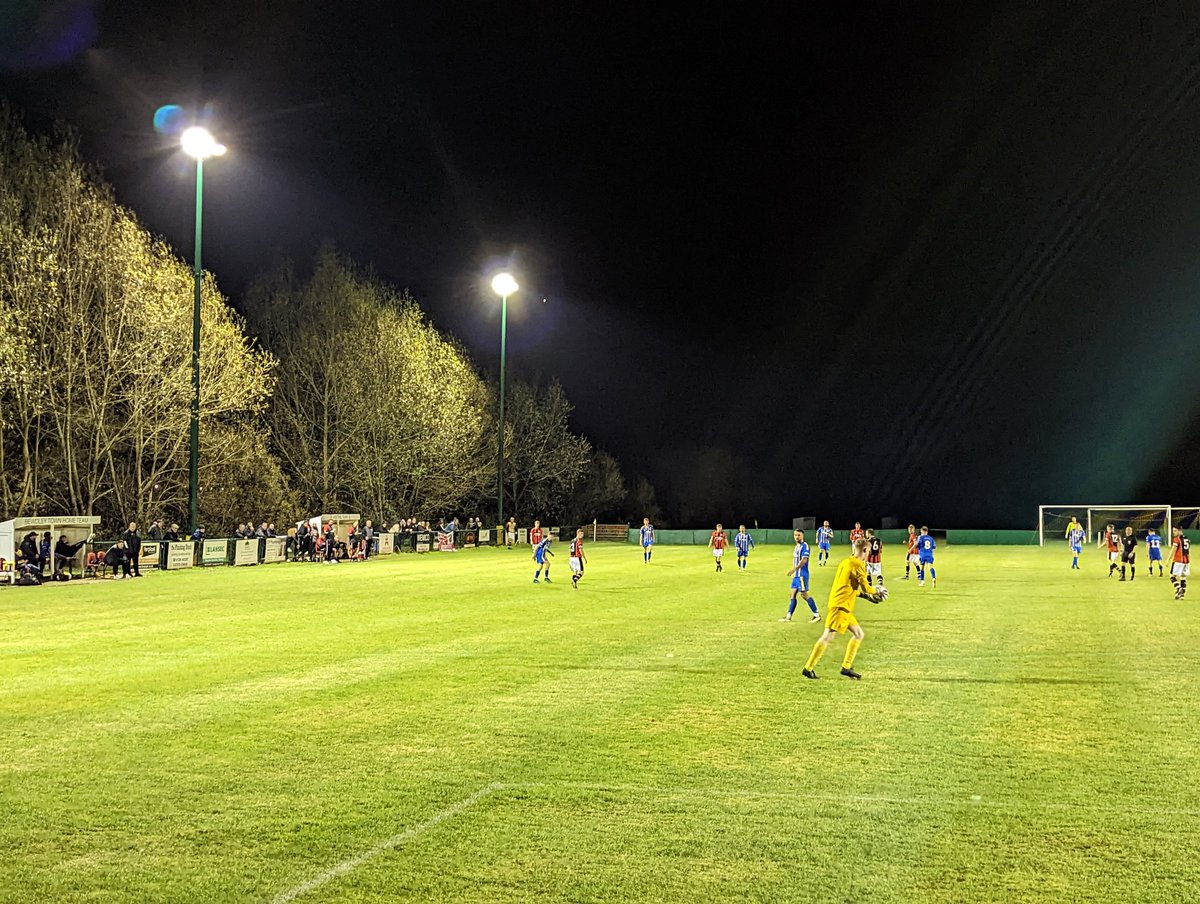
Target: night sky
{"x":934,"y":262}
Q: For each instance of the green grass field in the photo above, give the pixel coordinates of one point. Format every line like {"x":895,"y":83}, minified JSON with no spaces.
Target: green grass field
{"x":436,"y":728}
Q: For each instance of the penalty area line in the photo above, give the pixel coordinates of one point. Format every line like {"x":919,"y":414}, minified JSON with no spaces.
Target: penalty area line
{"x":352,"y":863}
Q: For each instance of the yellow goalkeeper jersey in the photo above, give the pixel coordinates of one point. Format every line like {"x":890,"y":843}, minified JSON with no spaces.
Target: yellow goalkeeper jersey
{"x":849,"y":581}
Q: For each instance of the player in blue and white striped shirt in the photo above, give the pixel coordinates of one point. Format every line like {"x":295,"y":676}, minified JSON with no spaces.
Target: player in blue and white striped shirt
{"x":743,"y":543}
{"x":799,"y":576}
{"x":824,"y":538}
{"x":647,"y":540}
{"x":542,"y":555}
{"x":1075,"y":535}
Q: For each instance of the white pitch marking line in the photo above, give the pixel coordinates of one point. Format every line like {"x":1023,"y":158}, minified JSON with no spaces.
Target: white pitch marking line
{"x":352,"y":863}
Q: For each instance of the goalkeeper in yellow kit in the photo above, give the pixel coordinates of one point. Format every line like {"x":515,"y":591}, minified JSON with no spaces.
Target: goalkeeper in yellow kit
{"x":849,"y":583}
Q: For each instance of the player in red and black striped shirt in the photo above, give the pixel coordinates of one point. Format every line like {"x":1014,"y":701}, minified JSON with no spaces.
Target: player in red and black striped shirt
{"x":577,"y":559}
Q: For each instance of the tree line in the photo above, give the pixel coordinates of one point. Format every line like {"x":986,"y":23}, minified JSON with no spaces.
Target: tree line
{"x":333,"y":392}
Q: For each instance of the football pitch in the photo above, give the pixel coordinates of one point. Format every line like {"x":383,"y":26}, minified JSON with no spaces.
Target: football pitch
{"x":437,"y":728}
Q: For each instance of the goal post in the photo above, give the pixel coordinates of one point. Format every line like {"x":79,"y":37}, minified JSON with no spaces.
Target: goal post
{"x":1053,"y":519}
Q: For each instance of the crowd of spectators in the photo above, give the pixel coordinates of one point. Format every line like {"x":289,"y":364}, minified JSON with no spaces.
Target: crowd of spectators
{"x":307,"y":542}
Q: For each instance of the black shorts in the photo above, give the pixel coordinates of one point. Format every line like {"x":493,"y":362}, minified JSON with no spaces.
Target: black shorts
{"x":1128,"y":557}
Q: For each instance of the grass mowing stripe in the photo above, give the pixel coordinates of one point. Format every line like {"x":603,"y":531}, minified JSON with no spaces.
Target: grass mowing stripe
{"x":836,"y":797}
{"x":351,"y":863}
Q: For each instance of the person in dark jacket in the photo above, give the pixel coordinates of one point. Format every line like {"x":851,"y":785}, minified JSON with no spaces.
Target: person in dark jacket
{"x":44,"y":553}
{"x":29,"y":549}
{"x":368,"y":534}
{"x":330,"y":539}
{"x":64,"y":552}
{"x":117,"y":558}
{"x":156,"y":530}
{"x":172,"y":535}
{"x":133,"y":547}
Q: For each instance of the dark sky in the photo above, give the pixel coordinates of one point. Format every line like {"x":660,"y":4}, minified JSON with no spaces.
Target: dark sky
{"x":928,"y":261}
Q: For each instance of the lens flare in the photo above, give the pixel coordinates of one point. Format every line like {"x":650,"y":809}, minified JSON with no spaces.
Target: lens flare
{"x":168,"y":119}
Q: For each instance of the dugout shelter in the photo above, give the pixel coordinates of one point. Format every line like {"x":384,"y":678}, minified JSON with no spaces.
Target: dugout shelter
{"x":76,"y":528}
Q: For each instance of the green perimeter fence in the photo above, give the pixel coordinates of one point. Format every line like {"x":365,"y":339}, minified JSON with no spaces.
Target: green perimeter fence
{"x":772,"y":535}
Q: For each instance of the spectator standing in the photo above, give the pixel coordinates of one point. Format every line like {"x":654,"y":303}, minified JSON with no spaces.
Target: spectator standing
{"x":198,"y":533}
{"x":156,"y":530}
{"x":172,"y":535}
{"x":133,"y":546}
{"x":330,"y":539}
{"x":368,"y":538}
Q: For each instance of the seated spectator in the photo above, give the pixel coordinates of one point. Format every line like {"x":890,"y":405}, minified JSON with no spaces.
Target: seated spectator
{"x":44,"y":553}
{"x":64,"y":552}
{"x":117,"y":558}
{"x":28,"y":550}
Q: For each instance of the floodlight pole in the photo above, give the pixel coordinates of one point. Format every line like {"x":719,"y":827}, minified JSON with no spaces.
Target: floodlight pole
{"x":194,"y":436}
{"x":500,"y":440}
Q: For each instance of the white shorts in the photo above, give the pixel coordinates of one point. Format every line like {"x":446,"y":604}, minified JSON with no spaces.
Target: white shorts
{"x":875,"y":568}
{"x":717,"y":553}
{"x":1114,"y":557}
{"x":914,"y":559}
{"x":1180,"y":569}
{"x":512,"y":538}
{"x":576,"y":565}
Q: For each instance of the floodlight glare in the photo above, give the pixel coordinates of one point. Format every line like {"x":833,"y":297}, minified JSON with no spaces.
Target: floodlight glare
{"x":198,"y":142}
{"x":503,"y":284}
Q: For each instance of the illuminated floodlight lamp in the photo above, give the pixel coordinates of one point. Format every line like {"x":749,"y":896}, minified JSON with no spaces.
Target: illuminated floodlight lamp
{"x":504,"y":285}
{"x":198,"y":142}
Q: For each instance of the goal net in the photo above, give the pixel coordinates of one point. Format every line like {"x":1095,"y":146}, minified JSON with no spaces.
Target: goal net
{"x":1186,"y":516}
{"x":1053,"y":519}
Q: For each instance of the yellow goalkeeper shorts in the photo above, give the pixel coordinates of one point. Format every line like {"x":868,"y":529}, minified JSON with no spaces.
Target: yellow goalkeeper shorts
{"x":840,"y":620}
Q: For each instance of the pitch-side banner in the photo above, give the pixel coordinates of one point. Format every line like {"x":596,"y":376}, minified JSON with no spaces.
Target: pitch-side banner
{"x":214,"y":552}
{"x":148,"y":557}
{"x":387,"y":543}
{"x":424,"y":541}
{"x":485,"y":537}
{"x":181,"y":555}
{"x":522,"y":535}
{"x":245,"y":552}
{"x":273,"y":549}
